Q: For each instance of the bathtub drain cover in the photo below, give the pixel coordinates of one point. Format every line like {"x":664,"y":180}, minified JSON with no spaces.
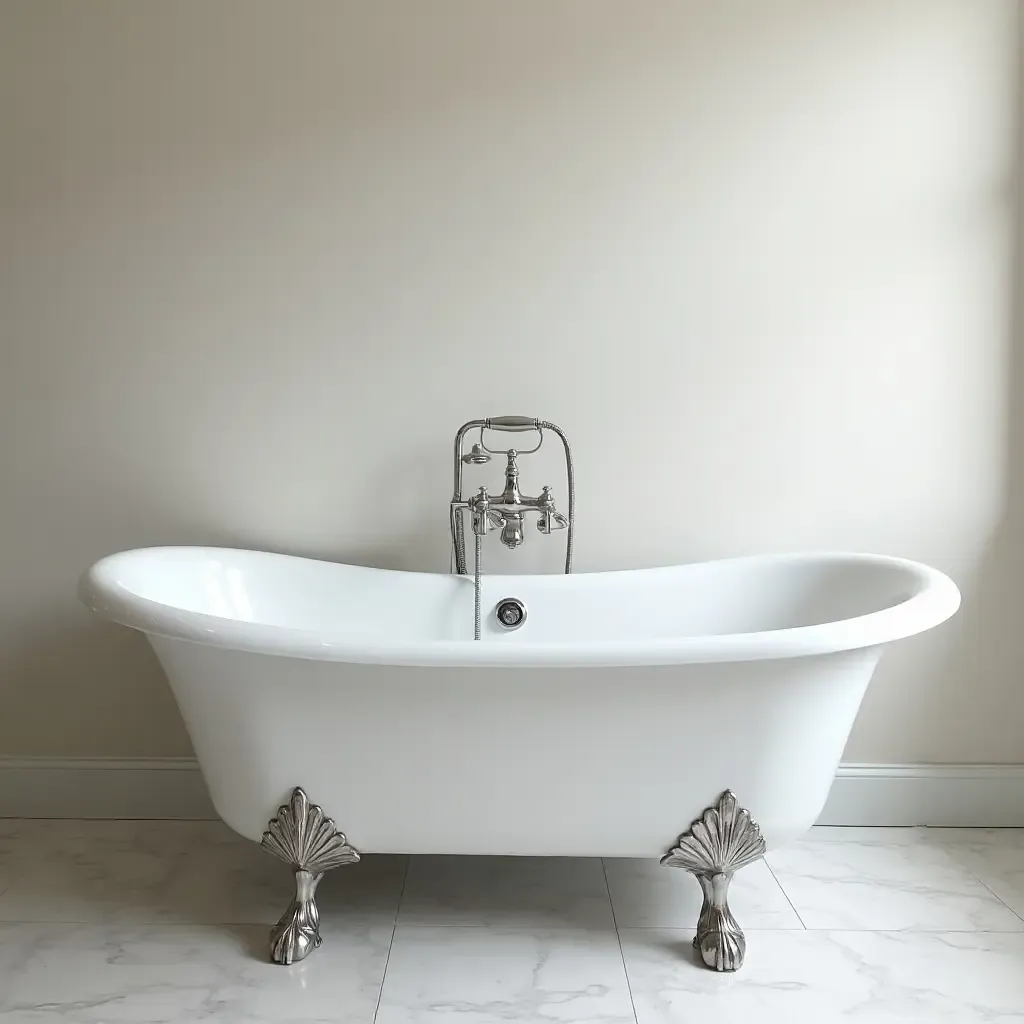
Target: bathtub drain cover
{"x":510,"y":613}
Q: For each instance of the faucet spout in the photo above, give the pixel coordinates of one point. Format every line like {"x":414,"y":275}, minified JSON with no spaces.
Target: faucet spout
{"x":512,"y":531}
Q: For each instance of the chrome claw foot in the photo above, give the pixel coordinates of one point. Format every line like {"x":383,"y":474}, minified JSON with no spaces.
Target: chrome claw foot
{"x":297,"y":934}
{"x":719,"y":843}
{"x":719,"y":938}
{"x":306,"y":839}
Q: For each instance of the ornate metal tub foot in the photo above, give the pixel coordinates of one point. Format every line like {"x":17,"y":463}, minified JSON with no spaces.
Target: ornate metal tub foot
{"x":719,"y":843}
{"x":305,"y":838}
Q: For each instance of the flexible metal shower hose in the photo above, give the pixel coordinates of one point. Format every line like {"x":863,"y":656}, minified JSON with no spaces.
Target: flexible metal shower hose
{"x":477,"y":586}
{"x":571,"y":480}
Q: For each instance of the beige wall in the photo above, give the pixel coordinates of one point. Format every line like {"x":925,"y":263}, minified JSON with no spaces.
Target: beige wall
{"x":258,"y":260}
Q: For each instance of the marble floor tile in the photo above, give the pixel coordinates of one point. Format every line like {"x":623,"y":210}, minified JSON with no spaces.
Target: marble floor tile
{"x":224,"y":877}
{"x":795,"y":977}
{"x":101,"y":974}
{"x":91,"y":870}
{"x":176,"y":873}
{"x":524,"y":892}
{"x":996,"y":859}
{"x":168,"y":922}
{"x":879,"y":886}
{"x":647,"y":895}
{"x":498,"y":975}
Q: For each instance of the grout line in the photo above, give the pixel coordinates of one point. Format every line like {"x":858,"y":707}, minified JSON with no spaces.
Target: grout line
{"x":618,"y":938}
{"x":662,"y":929}
{"x":391,"y":944}
{"x":782,"y":888}
{"x":981,"y":881}
{"x":947,"y":847}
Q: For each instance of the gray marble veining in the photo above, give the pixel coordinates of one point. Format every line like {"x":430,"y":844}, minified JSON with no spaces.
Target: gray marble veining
{"x":191,"y":872}
{"x":812,"y":977}
{"x":996,"y":858}
{"x":883,"y":886}
{"x":526,"y":892}
{"x":646,"y":895}
{"x":152,"y":922}
{"x":496,"y":975}
{"x":95,"y":974}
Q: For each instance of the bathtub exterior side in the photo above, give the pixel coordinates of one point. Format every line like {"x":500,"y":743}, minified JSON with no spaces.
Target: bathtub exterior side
{"x":548,"y":762}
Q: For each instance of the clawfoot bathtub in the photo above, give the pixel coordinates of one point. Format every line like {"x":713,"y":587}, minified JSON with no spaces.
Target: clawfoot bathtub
{"x":626,"y":707}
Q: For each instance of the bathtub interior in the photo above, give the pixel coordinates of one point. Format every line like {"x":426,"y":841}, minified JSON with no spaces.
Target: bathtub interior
{"x":737,"y":596}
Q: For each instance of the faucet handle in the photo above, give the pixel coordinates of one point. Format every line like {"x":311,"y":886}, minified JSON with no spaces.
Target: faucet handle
{"x":550,"y":521}
{"x":485,"y":518}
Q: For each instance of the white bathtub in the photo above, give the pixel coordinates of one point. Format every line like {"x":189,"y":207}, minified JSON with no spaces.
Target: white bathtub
{"x":621,"y":709}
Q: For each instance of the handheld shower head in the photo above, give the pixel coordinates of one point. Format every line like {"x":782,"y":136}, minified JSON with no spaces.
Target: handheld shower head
{"x":476,"y":456}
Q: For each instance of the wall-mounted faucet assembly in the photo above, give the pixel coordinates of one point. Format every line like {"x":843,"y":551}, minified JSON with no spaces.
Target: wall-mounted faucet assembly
{"x":505,"y":511}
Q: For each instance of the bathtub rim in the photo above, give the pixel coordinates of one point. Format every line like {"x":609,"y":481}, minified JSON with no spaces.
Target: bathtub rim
{"x":935,"y":599}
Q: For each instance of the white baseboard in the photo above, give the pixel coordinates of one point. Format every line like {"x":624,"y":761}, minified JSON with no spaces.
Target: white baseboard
{"x":967,"y":795}
{"x":102,"y":787}
{"x":862,"y":794}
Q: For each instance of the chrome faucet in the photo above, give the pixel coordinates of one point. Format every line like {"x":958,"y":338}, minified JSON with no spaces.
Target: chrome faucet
{"x":506,"y":511}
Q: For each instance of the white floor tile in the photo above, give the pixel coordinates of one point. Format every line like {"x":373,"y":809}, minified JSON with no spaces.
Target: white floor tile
{"x":647,"y":895}
{"x":176,"y":873}
{"x":102,"y":974}
{"x":496,"y":976}
{"x":525,"y":892}
{"x":96,"y":870}
{"x":885,"y":887}
{"x":168,"y":922}
{"x":793,"y":977}
{"x":997,"y":859}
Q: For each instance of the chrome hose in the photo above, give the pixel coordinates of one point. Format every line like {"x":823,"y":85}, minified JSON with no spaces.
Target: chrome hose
{"x":571,"y":483}
{"x":477,"y":586}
